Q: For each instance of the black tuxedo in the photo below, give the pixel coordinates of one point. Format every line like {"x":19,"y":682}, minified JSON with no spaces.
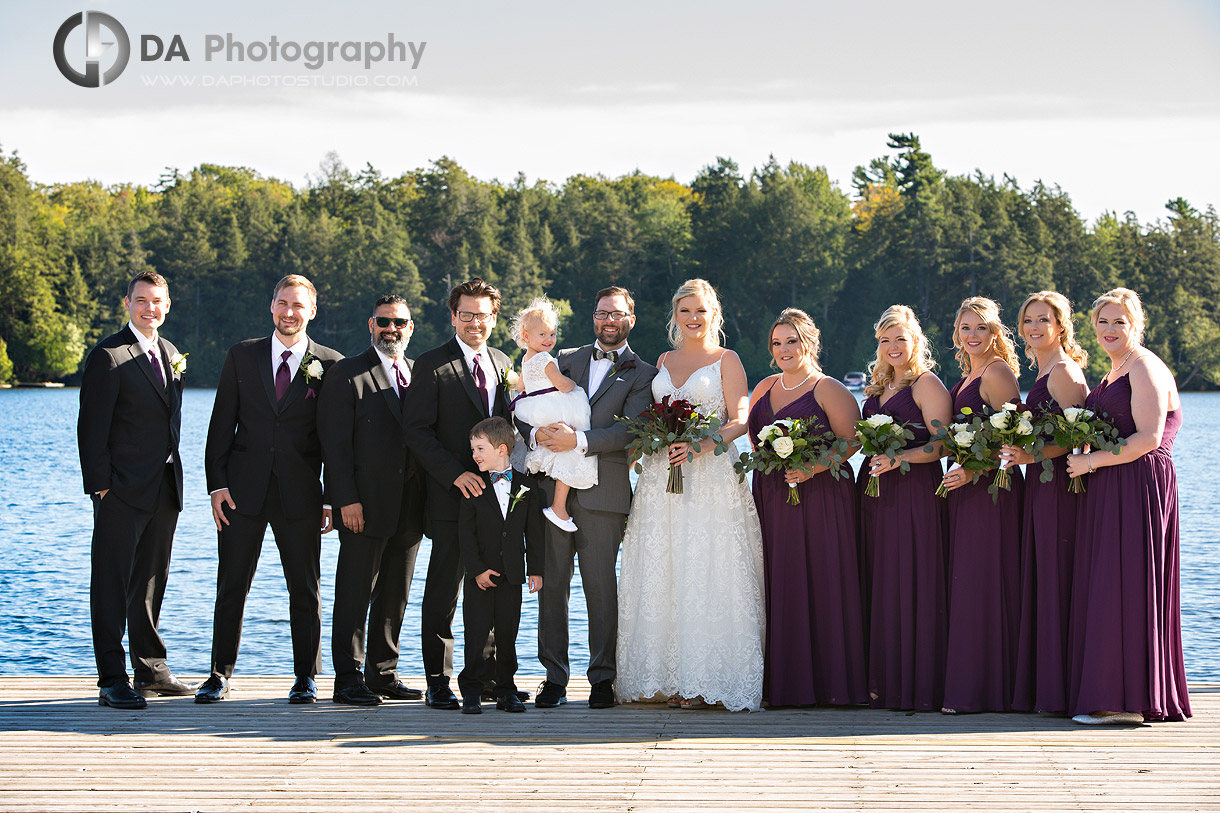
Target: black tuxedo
{"x":513,"y":547}
{"x":266,"y":452}
{"x":129,"y":424}
{"x":360,"y":423}
{"x":445,"y":404}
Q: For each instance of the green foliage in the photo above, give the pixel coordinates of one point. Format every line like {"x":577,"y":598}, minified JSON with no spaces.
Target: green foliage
{"x":776,"y":236}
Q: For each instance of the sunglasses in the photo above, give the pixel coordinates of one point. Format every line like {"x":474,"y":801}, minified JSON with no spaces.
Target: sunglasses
{"x":386,"y":321}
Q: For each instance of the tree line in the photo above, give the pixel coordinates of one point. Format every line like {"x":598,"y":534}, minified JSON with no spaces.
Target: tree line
{"x":780,"y":235}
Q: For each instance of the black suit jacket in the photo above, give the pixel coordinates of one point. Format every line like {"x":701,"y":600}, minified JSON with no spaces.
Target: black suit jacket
{"x":251,"y":435}
{"x":444,"y":405}
{"x":512,"y":545}
{"x":129,"y":422}
{"x":360,"y":424}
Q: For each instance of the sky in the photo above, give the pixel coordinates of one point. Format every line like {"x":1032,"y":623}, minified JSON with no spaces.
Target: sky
{"x":1116,"y":102}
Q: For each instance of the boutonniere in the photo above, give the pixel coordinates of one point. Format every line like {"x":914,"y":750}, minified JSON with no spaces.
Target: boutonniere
{"x":311,"y":368}
{"x":178,"y":363}
{"x":521,"y":492}
{"x":509,"y":381}
{"x":621,"y":367}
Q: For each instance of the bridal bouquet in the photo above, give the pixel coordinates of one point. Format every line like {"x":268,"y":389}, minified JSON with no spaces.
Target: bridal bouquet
{"x":879,"y":434}
{"x":794,"y":443}
{"x":1009,"y":426}
{"x":667,"y":422}
{"x":1076,"y":428}
{"x":967,"y":442}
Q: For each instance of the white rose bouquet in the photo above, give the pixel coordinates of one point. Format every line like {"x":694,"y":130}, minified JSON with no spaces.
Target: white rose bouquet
{"x":1011,"y":426}
{"x":967,"y":442}
{"x":794,"y":443}
{"x":1078,"y":429}
{"x":879,"y":434}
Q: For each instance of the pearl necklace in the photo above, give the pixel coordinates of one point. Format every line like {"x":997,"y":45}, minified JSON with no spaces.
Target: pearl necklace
{"x":786,"y":388}
{"x":1124,"y":361}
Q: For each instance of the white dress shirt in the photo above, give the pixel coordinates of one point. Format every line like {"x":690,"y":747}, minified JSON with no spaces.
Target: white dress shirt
{"x":294,"y":361}
{"x":503,"y":488}
{"x":480,"y":358}
{"x":388,"y":363}
{"x":152,"y":345}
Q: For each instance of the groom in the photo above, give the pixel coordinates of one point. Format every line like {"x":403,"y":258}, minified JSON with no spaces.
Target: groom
{"x":619,"y":384}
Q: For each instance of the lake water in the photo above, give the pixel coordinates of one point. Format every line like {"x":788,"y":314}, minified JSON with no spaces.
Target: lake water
{"x":47,"y":522}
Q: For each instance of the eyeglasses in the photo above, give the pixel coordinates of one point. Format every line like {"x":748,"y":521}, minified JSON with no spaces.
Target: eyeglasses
{"x":385,"y":321}
{"x":481,"y":318}
{"x":617,"y":316}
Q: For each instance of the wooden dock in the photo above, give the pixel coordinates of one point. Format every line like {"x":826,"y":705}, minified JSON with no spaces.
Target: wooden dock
{"x":60,"y":751}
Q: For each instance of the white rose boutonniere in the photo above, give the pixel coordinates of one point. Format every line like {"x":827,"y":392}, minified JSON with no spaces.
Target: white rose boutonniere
{"x":178,"y":363}
{"x":312,"y":369}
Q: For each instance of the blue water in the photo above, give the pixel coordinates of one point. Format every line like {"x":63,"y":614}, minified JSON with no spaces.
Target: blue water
{"x":47,"y":522}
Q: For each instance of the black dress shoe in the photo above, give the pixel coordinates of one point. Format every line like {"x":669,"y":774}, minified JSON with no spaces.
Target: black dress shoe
{"x":601,"y":695}
{"x":212,"y":690}
{"x":471,"y":706}
{"x":358,"y":695}
{"x":491,"y":695}
{"x":398,"y":691}
{"x":550,"y":695}
{"x":510,"y":702}
{"x":441,"y":697}
{"x":305,"y":690}
{"x":171,"y":686}
{"x":120,"y":696}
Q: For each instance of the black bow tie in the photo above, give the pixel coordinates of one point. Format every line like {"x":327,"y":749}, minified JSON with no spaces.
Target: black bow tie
{"x":599,"y":354}
{"x":506,"y":475}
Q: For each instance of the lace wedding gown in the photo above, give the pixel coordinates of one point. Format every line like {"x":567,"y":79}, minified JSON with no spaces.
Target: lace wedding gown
{"x":691,"y":610}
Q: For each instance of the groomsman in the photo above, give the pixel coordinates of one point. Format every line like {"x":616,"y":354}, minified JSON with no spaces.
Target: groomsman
{"x":263,"y":462}
{"x":456,"y":385}
{"x":127,"y":432}
{"x":374,"y":483}
{"x":619,"y":383}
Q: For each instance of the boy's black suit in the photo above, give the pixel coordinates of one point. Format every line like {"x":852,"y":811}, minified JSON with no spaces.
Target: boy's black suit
{"x":511,"y":546}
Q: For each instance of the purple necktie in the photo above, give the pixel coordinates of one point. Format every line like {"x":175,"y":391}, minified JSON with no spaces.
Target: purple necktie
{"x":156,"y":365}
{"x":402,"y":382}
{"x":283,"y":376}
{"x":480,"y":379}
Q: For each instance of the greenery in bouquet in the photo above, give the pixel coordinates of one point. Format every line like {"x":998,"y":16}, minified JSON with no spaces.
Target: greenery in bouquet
{"x":880,"y":435}
{"x":1077,"y":429}
{"x":1011,"y":425}
{"x":671,"y":421}
{"x":966,"y":441}
{"x":795,"y":443}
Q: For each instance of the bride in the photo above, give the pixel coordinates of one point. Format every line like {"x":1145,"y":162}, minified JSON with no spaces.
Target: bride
{"x":691,"y":608}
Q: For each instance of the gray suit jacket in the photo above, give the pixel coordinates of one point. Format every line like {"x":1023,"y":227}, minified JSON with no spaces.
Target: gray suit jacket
{"x":626,"y":391}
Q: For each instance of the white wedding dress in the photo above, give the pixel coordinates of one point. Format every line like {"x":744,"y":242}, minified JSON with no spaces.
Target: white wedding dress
{"x":690,"y":600}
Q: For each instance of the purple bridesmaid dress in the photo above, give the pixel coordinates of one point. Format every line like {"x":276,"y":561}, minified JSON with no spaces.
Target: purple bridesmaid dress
{"x":903,"y":536}
{"x":1047,"y":547}
{"x":815,"y":625}
{"x":1126,"y":630}
{"x":984,"y":585}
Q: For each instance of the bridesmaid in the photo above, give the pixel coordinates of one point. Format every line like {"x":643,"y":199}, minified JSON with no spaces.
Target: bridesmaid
{"x":1049,"y":521}
{"x":1126,"y":628}
{"x":902,"y":531}
{"x":815,"y":625}
{"x":984,"y":535}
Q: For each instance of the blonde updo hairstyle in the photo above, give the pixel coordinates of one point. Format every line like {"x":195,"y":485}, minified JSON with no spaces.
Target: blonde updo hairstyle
{"x":539,"y":311}
{"x":989,"y":311}
{"x":806,"y":330}
{"x":704,"y":290}
{"x":881,"y":371}
{"x":1129,"y":301}
{"x":1062,"y":310}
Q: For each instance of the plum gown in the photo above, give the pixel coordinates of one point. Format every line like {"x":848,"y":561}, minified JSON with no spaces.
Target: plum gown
{"x":1048,"y":537}
{"x":902,"y":542}
{"x":984,"y":585}
{"x":1126,"y":627}
{"x":814,"y":651}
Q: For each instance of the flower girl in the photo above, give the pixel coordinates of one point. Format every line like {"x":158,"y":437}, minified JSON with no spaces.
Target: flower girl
{"x":547,"y":397}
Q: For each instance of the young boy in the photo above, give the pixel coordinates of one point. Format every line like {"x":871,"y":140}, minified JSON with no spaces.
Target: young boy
{"x":498,"y":531}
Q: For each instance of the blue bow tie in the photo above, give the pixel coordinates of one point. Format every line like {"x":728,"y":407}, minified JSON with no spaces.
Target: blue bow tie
{"x":506,"y":475}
